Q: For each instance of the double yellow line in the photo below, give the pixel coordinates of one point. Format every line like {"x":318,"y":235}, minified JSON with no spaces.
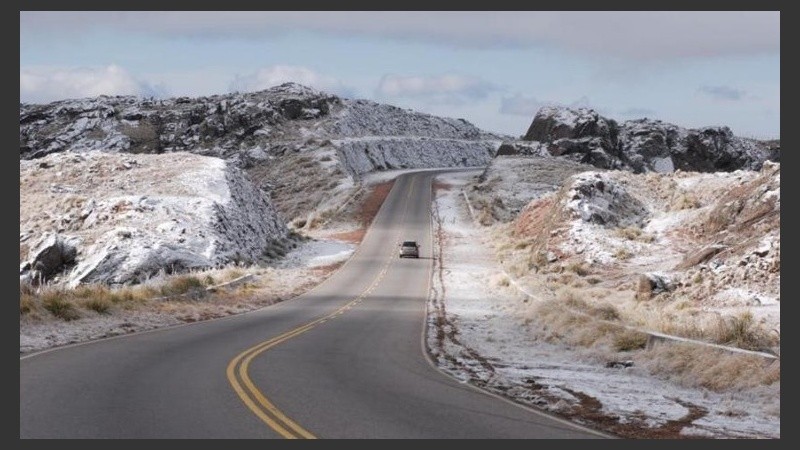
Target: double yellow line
{"x":253,"y":398}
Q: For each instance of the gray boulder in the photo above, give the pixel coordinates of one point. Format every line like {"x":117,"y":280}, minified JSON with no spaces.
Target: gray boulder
{"x":50,"y":257}
{"x":597,"y":198}
{"x":642,"y":145}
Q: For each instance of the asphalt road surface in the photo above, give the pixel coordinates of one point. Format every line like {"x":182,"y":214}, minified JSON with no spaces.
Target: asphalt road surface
{"x":345,"y":360}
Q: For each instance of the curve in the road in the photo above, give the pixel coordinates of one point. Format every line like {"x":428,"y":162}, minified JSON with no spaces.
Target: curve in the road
{"x":250,"y":394}
{"x":344,"y":360}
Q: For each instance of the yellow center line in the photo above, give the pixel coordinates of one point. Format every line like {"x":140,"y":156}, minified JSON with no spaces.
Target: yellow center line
{"x":248,"y":392}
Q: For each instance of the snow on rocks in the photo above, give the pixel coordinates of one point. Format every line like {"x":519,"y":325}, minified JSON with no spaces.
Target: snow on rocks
{"x":137,"y":215}
{"x":250,"y":128}
{"x":641,"y":145}
{"x":360,"y":156}
{"x":597,"y":198}
{"x":487,"y":341}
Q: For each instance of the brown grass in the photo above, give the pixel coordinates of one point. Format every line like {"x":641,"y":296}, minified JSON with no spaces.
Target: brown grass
{"x":684,"y":200}
{"x":59,"y":305}
{"x":634,"y":234}
{"x":579,"y":268}
{"x":742,"y":331}
{"x":682,"y":319}
{"x":183,"y":284}
{"x":98,"y":305}
{"x":718,"y":370}
{"x":629,"y":340}
{"x":560,"y":322}
{"x":623,"y":254}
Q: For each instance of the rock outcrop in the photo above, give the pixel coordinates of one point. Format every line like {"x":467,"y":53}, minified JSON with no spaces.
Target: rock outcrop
{"x":122,"y":218}
{"x":251,"y":128}
{"x":301,"y":149}
{"x":598,"y":198}
{"x":642,"y":145}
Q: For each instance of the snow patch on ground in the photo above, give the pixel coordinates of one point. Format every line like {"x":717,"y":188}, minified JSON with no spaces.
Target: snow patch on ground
{"x":318,"y":253}
{"x":493,"y":348}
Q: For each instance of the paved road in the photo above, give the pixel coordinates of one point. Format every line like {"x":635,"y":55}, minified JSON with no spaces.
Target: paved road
{"x":343,"y":361}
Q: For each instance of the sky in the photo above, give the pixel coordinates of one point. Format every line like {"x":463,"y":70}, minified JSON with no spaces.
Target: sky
{"x":493,"y":68}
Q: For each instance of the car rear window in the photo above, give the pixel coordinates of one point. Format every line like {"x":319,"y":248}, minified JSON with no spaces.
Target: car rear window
{"x":409,"y":244}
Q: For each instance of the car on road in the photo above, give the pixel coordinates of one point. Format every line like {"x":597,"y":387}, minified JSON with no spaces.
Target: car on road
{"x":409,"y":249}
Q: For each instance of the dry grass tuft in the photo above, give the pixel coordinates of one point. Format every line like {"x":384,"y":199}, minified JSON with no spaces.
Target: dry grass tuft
{"x":623,"y":254}
{"x":99,"y":305}
{"x":718,"y":370}
{"x":742,"y":331}
{"x":27,"y":299}
{"x":579,"y":268}
{"x":572,"y":320}
{"x":182,"y":284}
{"x":634,"y":234}
{"x":682,"y":319}
{"x":684,"y":200}
{"x":629,"y":340}
{"x":59,"y":305}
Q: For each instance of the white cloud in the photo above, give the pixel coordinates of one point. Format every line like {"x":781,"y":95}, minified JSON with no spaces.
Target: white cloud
{"x":447,"y":88}
{"x":639,"y":35}
{"x":272,"y":76}
{"x":46,"y":84}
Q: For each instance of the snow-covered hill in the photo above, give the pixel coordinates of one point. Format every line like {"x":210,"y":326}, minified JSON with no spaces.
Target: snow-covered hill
{"x":121,"y":218}
{"x":305,"y":148}
{"x":255,"y":126}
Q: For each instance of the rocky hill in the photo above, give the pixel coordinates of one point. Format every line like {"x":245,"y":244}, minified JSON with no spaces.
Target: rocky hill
{"x":115,"y":189}
{"x":251,"y":127}
{"x":328,"y":142}
{"x":702,"y":248}
{"x":121,"y":218}
{"x":642,"y":145}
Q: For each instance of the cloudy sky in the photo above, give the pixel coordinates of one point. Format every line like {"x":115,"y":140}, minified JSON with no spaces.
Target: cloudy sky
{"x":494,"y":69}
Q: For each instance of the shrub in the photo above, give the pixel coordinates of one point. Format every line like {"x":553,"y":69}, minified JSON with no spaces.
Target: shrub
{"x":742,"y":331}
{"x":717,"y":370}
{"x":623,"y":253}
{"x":26,"y":304}
{"x":100,"y":305}
{"x":59,"y":306}
{"x":630,"y":340}
{"x":540,"y":259}
{"x":606,"y":312}
{"x":579,"y":268}
{"x":182,"y":285}
{"x":685,"y":201}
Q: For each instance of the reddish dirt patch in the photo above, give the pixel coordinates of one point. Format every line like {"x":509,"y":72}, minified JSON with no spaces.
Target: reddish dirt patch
{"x":353,"y":237}
{"x":327,"y":270}
{"x":589,"y":410}
{"x":373,"y":201}
{"x":367,"y":210}
{"x":440,"y":186}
